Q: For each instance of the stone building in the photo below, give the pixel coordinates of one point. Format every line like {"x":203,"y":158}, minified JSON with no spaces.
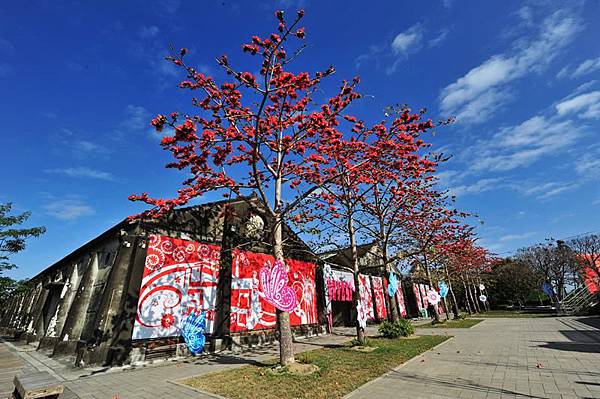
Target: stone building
{"x":122,"y":296}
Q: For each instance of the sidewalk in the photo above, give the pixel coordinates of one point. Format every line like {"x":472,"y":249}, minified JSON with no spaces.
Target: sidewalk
{"x":152,"y":380}
{"x":148,"y":381}
{"x":545,"y":357}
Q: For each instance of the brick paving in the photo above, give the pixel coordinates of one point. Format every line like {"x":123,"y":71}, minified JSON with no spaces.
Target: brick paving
{"x":499,"y":358}
{"x":496,"y":359}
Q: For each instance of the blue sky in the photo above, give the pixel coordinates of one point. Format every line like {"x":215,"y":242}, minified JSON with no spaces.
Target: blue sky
{"x":79,"y":83}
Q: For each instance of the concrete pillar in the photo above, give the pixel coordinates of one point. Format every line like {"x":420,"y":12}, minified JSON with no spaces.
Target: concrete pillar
{"x":73,"y":326}
{"x":61,"y":302}
{"x":121,"y":344}
{"x":67,"y":296}
{"x":37,"y":321}
{"x":20,"y":300}
{"x":109,"y":318}
{"x":35,"y":305}
{"x":31,"y":297}
{"x":7,"y":319}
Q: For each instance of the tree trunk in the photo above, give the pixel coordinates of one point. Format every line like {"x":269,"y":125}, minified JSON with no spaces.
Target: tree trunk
{"x":455,"y":308}
{"x":446,"y":308}
{"x":474,"y":296}
{"x":393,"y":314}
{"x":286,"y":344}
{"x":360,"y":332}
{"x":467,"y":296}
{"x":436,"y":314}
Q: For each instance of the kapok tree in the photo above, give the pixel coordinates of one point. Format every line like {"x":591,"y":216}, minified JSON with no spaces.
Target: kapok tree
{"x":374,"y":156}
{"x":431,"y":226}
{"x":256,"y":134}
{"x":397,"y":186}
{"x":463,"y":259}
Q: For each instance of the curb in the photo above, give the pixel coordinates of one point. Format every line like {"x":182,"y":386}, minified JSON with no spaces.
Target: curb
{"x":209,"y":394}
{"x":382,"y":376}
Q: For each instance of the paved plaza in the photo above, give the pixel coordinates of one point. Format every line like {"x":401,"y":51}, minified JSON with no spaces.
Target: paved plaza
{"x":502,"y":358}
{"x":544,"y":357}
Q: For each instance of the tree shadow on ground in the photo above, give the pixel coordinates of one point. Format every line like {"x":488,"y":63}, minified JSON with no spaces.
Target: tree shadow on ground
{"x":592,"y":321}
{"x":585,"y":341}
{"x":585,"y":347}
{"x":532,"y":368}
{"x":459,"y":383}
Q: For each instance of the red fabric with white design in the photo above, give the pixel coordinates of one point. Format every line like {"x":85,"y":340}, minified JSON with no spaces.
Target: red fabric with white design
{"x":418,"y":299}
{"x":179,"y":276}
{"x":378,"y":290}
{"x":400,"y":300}
{"x":250,"y":311}
{"x":366,"y":296}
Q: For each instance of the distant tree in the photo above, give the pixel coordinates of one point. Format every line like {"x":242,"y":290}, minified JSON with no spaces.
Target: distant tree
{"x":10,"y":287}
{"x":552,"y":262}
{"x":12,"y":238}
{"x":512,"y":282}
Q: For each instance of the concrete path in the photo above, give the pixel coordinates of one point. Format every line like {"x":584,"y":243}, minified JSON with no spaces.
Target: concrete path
{"x":496,"y":359}
{"x":502,"y":358}
{"x":150,"y":381}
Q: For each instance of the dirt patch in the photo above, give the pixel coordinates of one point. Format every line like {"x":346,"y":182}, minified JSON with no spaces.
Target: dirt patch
{"x":296,"y":369}
{"x":413,"y":336}
{"x":365,"y":349}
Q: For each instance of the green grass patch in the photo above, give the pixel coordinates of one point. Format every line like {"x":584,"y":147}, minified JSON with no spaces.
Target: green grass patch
{"x":341,"y":370}
{"x":461,"y":323}
{"x":512,"y":314}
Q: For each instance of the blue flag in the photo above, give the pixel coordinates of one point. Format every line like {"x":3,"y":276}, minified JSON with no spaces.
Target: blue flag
{"x":443,"y":289}
{"x":392,"y":284}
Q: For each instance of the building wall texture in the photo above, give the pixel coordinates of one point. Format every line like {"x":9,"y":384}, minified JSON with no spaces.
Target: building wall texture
{"x":85,"y":305}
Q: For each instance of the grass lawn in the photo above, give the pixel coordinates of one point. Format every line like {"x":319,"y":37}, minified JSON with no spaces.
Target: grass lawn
{"x":512,"y":313}
{"x":342,"y":370}
{"x":464,"y":323}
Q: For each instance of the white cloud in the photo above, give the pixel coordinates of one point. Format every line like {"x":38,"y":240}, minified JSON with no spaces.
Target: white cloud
{"x":147,"y":32}
{"x":82,"y":172}
{"x":408,"y":41}
{"x":439,"y":39}
{"x":547,"y":190}
{"x":587,"y":165}
{"x":477,"y":95}
{"x":477,"y":187}
{"x":521,"y":145}
{"x":515,"y":237}
{"x":586,"y":67}
{"x":169,"y":7}
{"x":68,"y":209}
{"x":585,"y":105}
{"x":136,"y":117}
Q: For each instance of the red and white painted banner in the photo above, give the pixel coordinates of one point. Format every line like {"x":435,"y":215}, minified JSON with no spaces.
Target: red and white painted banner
{"x":379,"y":291}
{"x":340,"y":285}
{"x":250,"y":310}
{"x":179,"y":277}
{"x":366,"y":296}
{"x":400,"y":300}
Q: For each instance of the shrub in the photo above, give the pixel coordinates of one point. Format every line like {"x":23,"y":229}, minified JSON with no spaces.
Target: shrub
{"x":462,"y":316}
{"x":400,"y":328}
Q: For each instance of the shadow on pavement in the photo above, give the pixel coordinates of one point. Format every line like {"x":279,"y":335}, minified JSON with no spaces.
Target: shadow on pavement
{"x":587,"y":341}
{"x":459,"y":383}
{"x":592,"y":321}
{"x":532,"y":368}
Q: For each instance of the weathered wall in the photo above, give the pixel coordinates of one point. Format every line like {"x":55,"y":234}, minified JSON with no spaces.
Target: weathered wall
{"x":85,"y":304}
